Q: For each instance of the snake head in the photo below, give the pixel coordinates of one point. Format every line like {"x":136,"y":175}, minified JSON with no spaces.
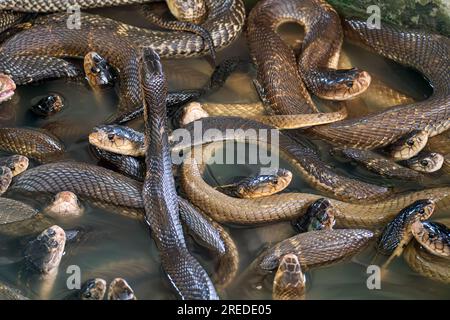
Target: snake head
{"x":188,"y":10}
{"x":264,"y":185}
{"x":17,"y":164}
{"x":117,"y":139}
{"x":119,"y":289}
{"x":192,"y":112}
{"x":65,"y":204}
{"x":289,"y":281}
{"x":426,"y":162}
{"x":7,"y":87}
{"x":409,"y":145}
{"x":319,"y":216}
{"x":98,"y":71}
{"x":433,"y":236}
{"x":6,"y":176}
{"x":342,"y":84}
{"x":48,"y":105}
{"x":45,"y":252}
{"x":93,"y":289}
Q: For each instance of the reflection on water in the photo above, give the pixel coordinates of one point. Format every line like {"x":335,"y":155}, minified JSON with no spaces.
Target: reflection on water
{"x":114,"y":246}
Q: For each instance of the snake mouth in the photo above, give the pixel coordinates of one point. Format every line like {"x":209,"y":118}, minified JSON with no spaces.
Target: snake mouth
{"x":7,"y":87}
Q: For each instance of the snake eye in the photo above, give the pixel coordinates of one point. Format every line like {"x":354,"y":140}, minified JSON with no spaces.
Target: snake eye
{"x":13,"y":168}
{"x":422,"y":211}
{"x":110,"y":137}
{"x":95,"y":69}
{"x":424,"y":163}
{"x":410,"y":142}
{"x":349,"y":84}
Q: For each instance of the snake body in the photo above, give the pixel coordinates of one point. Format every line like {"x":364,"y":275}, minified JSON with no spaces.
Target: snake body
{"x":192,"y":10}
{"x":32,"y":143}
{"x":317,"y":248}
{"x":380,"y":164}
{"x":159,"y":194}
{"x":104,"y":186}
{"x":9,"y":19}
{"x":61,"y":5}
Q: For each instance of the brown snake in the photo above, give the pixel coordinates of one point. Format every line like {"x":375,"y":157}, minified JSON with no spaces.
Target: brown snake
{"x":37,"y":53}
{"x":288,"y":206}
{"x":427,"y":53}
{"x":286,"y":94}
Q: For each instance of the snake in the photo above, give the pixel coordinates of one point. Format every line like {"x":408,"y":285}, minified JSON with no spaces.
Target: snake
{"x":129,"y":166}
{"x":320,"y":215}
{"x":48,"y":105}
{"x":379,"y":164}
{"x":98,"y":71}
{"x":398,"y":231}
{"x":10,"y":18}
{"x":226,"y":209}
{"x":9,"y":293}
{"x":289,"y":206}
{"x":258,"y":186}
{"x":36,"y":53}
{"x":16,"y":163}
{"x":12,"y":211}
{"x":7,"y":87}
{"x":300,"y":154}
{"x":289,"y":280}
{"x":284,"y":86}
{"x":159,"y":195}
{"x":6,"y":176}
{"x":256,"y":111}
{"x":426,"y":162}
{"x":126,"y":141}
{"x":93,"y":289}
{"x":32,"y":143}
{"x":371,"y":131}
{"x":408,"y":145}
{"x":119,"y":289}
{"x":306,"y":251}
{"x":65,"y":204}
{"x":192,"y":10}
{"x":428,"y":255}
{"x":424,"y":52}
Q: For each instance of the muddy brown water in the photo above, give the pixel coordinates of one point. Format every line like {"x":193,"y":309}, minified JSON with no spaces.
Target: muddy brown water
{"x":120,"y":247}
